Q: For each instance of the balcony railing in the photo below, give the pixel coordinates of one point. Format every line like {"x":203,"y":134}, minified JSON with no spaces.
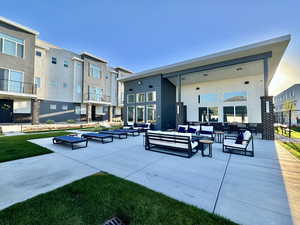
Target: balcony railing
{"x":97,"y":97}
{"x":17,"y":87}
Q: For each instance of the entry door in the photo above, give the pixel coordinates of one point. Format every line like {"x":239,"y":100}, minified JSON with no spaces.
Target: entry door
{"x":93,"y":112}
{"x":6,"y":111}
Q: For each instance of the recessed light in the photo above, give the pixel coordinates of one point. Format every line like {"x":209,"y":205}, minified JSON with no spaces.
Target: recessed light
{"x":246,"y":82}
{"x":197,"y":88}
{"x":130,"y":89}
{"x":239,"y":69}
{"x":205,"y":74}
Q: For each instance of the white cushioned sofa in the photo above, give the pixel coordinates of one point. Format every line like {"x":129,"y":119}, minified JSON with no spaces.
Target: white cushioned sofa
{"x":171,"y":142}
{"x":230,"y":145}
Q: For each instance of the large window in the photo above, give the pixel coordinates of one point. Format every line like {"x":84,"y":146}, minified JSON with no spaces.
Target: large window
{"x":95,"y":94}
{"x":95,"y":71}
{"x":140,"y":114}
{"x":130,"y":98}
{"x":151,"y":96}
{"x":208,"y":114}
{"x":207,"y":98}
{"x":53,"y":60}
{"x":37,"y":82}
{"x":130,"y":114}
{"x":11,"y":45}
{"x":140,"y":97}
{"x":151,"y":113}
{"x":235,"y":114}
{"x":11,"y":80}
{"x":236,"y":96}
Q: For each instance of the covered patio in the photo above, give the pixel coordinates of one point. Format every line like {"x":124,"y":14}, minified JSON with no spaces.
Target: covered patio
{"x":233,"y":186}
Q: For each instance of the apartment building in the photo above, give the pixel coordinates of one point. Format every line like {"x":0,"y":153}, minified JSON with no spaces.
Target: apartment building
{"x":64,"y":85}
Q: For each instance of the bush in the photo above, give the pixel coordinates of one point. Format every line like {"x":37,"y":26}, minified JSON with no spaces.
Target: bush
{"x":50,"y":121}
{"x":71,"y":121}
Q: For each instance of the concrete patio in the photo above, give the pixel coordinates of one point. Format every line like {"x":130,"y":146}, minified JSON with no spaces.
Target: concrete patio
{"x":259,"y":190}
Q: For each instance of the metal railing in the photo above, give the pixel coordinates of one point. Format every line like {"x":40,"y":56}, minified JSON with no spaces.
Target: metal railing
{"x":97,"y":97}
{"x":17,"y":86}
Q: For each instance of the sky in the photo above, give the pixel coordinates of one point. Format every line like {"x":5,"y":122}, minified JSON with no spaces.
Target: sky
{"x":143,"y":34}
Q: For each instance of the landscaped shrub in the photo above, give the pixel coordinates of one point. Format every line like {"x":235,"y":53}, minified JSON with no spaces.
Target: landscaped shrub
{"x":71,"y":121}
{"x":50,"y":121}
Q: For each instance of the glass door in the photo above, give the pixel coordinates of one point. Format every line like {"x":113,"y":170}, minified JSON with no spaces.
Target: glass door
{"x":15,"y":83}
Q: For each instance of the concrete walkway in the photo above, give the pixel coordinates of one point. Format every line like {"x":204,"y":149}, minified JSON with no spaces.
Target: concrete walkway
{"x":260,"y":190}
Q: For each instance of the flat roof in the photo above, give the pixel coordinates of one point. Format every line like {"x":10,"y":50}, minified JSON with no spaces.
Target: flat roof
{"x":93,"y":56}
{"x":276,"y":45}
{"x":123,"y":69}
{"x":21,"y":27}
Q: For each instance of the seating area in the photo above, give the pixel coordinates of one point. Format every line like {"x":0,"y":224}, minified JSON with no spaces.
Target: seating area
{"x":141,"y":127}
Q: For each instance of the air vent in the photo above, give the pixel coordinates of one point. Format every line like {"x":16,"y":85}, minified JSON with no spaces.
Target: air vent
{"x":205,"y":74}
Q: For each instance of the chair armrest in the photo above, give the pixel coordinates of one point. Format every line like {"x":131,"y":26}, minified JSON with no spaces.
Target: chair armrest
{"x":230,"y":137}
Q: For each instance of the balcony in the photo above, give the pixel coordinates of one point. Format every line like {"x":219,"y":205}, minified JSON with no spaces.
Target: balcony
{"x":98,"y":98}
{"x":17,"y":87}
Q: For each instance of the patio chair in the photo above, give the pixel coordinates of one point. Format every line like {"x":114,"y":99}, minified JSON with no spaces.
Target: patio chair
{"x":73,"y":141}
{"x":207,"y":131}
{"x":103,"y":138}
{"x":231,"y":145}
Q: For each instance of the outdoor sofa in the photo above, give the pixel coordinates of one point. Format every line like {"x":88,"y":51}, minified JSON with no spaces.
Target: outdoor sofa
{"x":73,"y":141}
{"x":103,"y":138}
{"x":230,"y":144}
{"x":174,"y":143}
{"x":141,"y":127}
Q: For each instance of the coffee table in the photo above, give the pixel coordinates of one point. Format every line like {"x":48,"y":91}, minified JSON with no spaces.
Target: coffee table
{"x":209,"y":143}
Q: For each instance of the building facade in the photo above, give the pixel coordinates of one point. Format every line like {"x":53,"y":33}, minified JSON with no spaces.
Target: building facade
{"x":225,"y":87}
{"x":40,"y":81}
{"x":288,"y":99}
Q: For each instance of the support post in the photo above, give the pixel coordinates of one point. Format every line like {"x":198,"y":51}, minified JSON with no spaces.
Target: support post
{"x":35,"y":111}
{"x":88,"y":112}
{"x":266,"y":76}
{"x":267,"y":117}
{"x":179,"y":104}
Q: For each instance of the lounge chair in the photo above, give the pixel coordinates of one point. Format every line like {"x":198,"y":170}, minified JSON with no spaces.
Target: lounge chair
{"x":132,"y":132}
{"x":116,"y":133}
{"x":70,"y":140}
{"x":103,"y":138}
{"x":230,"y":145}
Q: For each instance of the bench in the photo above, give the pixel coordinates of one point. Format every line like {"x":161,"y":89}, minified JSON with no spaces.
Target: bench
{"x":70,"y":140}
{"x":103,"y":138}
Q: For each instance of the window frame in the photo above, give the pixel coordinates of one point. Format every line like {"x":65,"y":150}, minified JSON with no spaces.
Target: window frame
{"x":66,"y":63}
{"x":52,"y":108}
{"x":53,"y":60}
{"x":137,"y":97}
{"x":242,"y":91}
{"x":133,"y":114}
{"x":235,"y":114}
{"x":154,"y":114}
{"x":153,"y":94}
{"x":37,"y":53}
{"x":37,"y":84}
{"x":93,"y":68}
{"x":16,"y":41}
{"x":140,"y":107}
{"x":133,"y":98}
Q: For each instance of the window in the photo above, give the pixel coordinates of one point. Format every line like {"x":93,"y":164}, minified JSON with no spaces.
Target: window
{"x":38,"y":53}
{"x":236,"y":96}
{"x":53,"y":83}
{"x":95,"y":94}
{"x":15,"y":83}
{"x":140,"y":97}
{"x":64,"y":107}
{"x":130,"y":114}
{"x":130,"y":98}
{"x":37,"y":82}
{"x":151,"y":96}
{"x":54,"y":60}
{"x":208,"y":114}
{"x":235,"y":114}
{"x":52,"y":107}
{"x":11,"y":45}
{"x":65,"y":85}
{"x":66,"y":63}
{"x":77,"y":110}
{"x":151,"y":113}
{"x":140,"y":114}
{"x":207,"y":98}
{"x":95,"y":71}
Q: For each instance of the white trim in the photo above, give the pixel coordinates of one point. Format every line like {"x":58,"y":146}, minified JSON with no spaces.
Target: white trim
{"x":29,"y":30}
{"x":136,"y":109}
{"x":133,"y":114}
{"x":77,"y":59}
{"x":93,"y":56}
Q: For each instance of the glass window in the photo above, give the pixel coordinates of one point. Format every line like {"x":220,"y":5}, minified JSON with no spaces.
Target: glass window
{"x":213,"y":115}
{"x":151,"y":113}
{"x":38,"y":53}
{"x":53,"y":83}
{"x":140,"y":114}
{"x":130,"y":98}
{"x":15,"y":83}
{"x":77,"y":110}
{"x":203,"y":114}
{"x":130,"y":114}
{"x":20,"y":50}
{"x":95,"y":94}
{"x":52,"y":107}
{"x":66,"y":63}
{"x":9,"y":47}
{"x":64,"y":107}
{"x":207,"y":98}
{"x":95,"y":71}
{"x":241,"y":114}
{"x":228,"y":114}
{"x":54,"y":60}
{"x":140,"y":97}
{"x":37,"y":82}
{"x":151,"y":96}
{"x":236,"y":96}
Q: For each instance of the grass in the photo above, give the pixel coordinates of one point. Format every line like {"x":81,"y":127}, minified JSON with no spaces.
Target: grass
{"x":94,"y":199}
{"x":17,"y":147}
{"x":292,"y":147}
{"x":294,"y":134}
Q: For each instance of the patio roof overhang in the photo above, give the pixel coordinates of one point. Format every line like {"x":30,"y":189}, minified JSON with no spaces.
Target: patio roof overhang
{"x":259,"y":58}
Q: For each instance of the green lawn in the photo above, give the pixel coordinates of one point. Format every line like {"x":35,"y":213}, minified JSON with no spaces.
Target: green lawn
{"x":97,"y":198}
{"x":294,"y":134}
{"x":292,"y":147}
{"x":17,"y":147}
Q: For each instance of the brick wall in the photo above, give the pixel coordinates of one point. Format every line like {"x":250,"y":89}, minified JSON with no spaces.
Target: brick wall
{"x":267,"y":117}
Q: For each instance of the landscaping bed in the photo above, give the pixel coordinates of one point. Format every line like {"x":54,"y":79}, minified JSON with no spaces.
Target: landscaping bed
{"x":17,"y":147}
{"x":292,"y":147}
{"x":97,"y":198}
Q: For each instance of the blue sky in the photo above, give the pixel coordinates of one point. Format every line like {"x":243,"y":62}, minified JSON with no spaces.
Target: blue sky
{"x":140,"y":34}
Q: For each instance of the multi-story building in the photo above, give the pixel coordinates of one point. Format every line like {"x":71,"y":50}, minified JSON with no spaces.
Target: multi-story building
{"x":288,"y":99}
{"x":55,"y":83}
